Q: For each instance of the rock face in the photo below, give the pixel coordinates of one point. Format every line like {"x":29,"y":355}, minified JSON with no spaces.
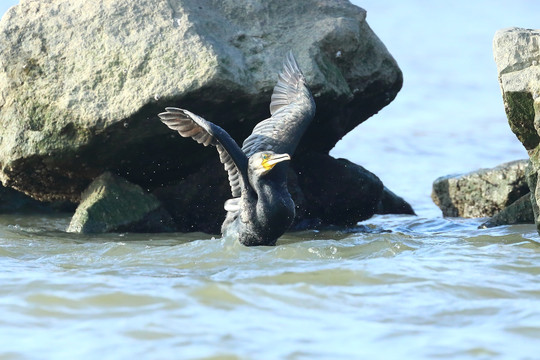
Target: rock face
{"x":113,"y":204}
{"x":517,"y":57}
{"x":481,"y":193}
{"x":81,"y":82}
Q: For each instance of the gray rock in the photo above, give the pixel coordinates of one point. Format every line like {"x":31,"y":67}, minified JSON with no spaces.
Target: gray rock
{"x":82,"y":82}
{"x":518,"y":65}
{"x":519,"y":212}
{"x":112,"y":204}
{"x":481,"y":193}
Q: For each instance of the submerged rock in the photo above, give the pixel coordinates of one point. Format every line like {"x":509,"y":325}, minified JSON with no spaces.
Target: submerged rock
{"x":518,"y":64}
{"x":481,"y":193}
{"x":83,"y":100}
{"x":112,"y":204}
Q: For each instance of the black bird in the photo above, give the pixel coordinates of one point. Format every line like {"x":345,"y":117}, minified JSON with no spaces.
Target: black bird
{"x":261,"y":209}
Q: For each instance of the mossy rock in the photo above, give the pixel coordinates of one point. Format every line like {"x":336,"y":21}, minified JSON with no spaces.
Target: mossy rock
{"x":112,"y":204}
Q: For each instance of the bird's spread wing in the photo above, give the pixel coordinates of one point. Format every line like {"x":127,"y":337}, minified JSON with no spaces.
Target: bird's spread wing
{"x":292,"y":108}
{"x":204,"y":132}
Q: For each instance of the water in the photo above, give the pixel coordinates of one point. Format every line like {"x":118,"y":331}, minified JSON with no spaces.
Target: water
{"x":397,"y":287}
{"x":429,"y":288}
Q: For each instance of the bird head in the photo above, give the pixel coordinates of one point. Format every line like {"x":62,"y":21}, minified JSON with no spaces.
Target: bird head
{"x":262,"y":162}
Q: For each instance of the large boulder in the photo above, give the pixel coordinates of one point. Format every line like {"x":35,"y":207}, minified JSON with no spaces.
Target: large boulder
{"x":481,"y":193}
{"x":81,"y":82}
{"x":518,"y":64}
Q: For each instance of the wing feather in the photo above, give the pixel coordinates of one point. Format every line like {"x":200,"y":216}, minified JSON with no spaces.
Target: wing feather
{"x":204,"y":132}
{"x":292,"y":108}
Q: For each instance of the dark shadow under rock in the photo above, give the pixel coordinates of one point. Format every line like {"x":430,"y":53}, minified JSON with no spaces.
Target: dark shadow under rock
{"x":196,"y":202}
{"x":13,"y":201}
{"x":326,"y":192}
{"x":481,"y":193}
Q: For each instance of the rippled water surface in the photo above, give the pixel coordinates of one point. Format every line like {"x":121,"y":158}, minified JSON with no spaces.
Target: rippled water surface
{"x":395,"y":287}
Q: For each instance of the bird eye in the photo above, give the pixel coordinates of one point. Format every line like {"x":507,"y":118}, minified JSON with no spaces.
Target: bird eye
{"x":265,"y":157}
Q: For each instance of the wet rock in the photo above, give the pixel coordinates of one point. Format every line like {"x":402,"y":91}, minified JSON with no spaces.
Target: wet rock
{"x":347,"y":194}
{"x":112,"y":204}
{"x":481,"y":193}
{"x":83,"y":100}
{"x":391,"y":203}
{"x":518,"y":65}
{"x":519,"y":212}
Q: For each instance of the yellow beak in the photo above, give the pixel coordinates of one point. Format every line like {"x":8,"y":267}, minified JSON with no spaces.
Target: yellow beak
{"x":271,"y":160}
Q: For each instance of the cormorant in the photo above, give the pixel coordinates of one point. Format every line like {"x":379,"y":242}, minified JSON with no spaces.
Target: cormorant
{"x":261,"y":209}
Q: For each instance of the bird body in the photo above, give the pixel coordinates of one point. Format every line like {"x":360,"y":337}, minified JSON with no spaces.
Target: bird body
{"x":261,"y":209}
